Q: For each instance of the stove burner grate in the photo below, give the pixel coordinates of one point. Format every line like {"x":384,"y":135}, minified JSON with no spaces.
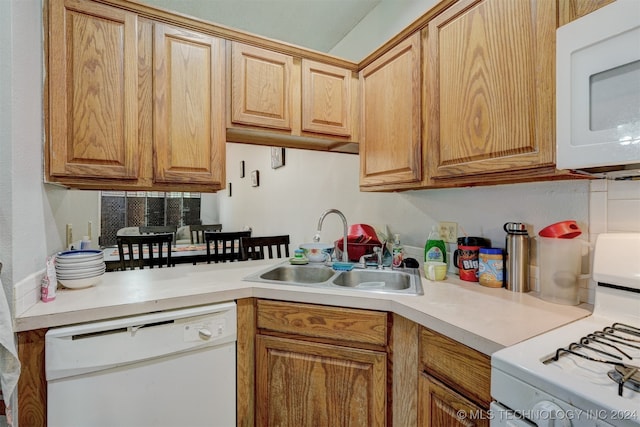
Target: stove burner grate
{"x":626,"y":376}
{"x":611,"y":340}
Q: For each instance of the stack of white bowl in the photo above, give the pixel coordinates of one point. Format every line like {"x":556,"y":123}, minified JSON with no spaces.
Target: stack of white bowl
{"x":80,"y":269}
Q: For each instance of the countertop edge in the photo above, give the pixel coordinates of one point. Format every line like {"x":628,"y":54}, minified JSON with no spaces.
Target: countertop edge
{"x":425,"y":315}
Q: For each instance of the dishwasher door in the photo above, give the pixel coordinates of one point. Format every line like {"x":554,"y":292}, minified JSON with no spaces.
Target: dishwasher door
{"x":174,"y":368}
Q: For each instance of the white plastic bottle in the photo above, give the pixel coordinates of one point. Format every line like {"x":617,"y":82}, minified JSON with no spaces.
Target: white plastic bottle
{"x":397,"y":251}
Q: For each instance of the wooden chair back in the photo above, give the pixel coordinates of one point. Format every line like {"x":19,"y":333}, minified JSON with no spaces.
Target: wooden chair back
{"x":159,"y":229}
{"x":264,"y":247}
{"x":224,"y":246}
{"x":197,"y":231}
{"x":157,"y":246}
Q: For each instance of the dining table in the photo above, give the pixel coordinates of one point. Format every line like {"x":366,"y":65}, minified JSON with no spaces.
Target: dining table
{"x":180,"y":254}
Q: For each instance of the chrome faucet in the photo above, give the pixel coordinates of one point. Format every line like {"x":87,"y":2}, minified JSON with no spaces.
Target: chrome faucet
{"x":378,"y":252}
{"x":316,"y":238}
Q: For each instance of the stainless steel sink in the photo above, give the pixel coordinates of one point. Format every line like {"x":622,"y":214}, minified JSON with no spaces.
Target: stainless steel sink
{"x":405,"y":281}
{"x":295,"y":274}
{"x":374,"y":279}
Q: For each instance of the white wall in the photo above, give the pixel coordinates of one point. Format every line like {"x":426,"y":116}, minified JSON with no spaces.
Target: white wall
{"x":25,"y":214}
{"x":385,"y":21}
{"x":292,"y":198}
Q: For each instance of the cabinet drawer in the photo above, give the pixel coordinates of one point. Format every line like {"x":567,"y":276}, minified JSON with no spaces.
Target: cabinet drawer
{"x":466,"y":370}
{"x":343,"y":324}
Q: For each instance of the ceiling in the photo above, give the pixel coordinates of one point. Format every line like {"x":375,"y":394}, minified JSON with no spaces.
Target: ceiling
{"x":314,"y":24}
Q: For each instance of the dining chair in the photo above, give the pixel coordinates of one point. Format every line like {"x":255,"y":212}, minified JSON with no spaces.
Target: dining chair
{"x":158,"y":229}
{"x":197,"y":231}
{"x":264,"y":247}
{"x":226,"y":245}
{"x":158,"y":247}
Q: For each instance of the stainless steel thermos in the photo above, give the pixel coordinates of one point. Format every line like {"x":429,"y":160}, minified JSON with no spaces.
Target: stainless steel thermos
{"x":517,"y":257}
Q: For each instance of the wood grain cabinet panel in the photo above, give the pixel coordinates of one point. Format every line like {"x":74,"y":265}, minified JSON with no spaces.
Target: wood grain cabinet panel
{"x":260,"y":87}
{"x":346,"y":325}
{"x":390,"y":137}
{"x":326,"y":99}
{"x":133,"y":104}
{"x":32,"y":384}
{"x":460,"y":367}
{"x":570,"y":10}
{"x":319,"y":366}
{"x":188,"y":107}
{"x":441,"y":406}
{"x":93,"y":91}
{"x":490,"y":86}
{"x":302,"y":383}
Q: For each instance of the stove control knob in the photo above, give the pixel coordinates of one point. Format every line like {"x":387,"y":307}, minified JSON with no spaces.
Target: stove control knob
{"x":548,"y":414}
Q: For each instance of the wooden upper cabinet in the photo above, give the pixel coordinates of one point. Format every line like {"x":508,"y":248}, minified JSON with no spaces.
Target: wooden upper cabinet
{"x":326,"y":99}
{"x":490,"y":87}
{"x":93,"y":91}
{"x":189,"y":137}
{"x":260,"y":87}
{"x":390,"y":137}
{"x":570,"y":10}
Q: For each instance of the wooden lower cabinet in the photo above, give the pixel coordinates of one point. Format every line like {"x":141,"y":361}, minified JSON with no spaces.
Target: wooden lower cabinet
{"x":301,"y":383}
{"x":442,"y":407}
{"x":455,"y":383}
{"x":32,"y":384}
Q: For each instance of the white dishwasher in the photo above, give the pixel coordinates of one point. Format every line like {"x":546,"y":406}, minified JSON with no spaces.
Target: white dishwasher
{"x":173,"y":368}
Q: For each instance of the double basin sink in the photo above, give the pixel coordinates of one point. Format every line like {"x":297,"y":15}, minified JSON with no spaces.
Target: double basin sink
{"x":402,"y":281}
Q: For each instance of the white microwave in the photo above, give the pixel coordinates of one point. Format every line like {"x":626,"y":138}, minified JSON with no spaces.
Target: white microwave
{"x":598,"y":91}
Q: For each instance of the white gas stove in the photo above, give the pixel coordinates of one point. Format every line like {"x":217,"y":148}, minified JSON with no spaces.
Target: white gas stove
{"x":586,"y":373}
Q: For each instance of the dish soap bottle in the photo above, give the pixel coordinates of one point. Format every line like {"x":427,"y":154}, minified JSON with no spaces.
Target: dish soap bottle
{"x":435,"y":250}
{"x":396,"y":252}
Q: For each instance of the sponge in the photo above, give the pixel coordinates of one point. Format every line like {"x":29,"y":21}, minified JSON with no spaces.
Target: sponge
{"x":342,"y":266}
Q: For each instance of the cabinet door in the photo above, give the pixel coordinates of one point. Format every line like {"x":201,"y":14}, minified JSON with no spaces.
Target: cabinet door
{"x":490,"y":87}
{"x":569,"y":10}
{"x":260,"y":87}
{"x":440,"y":406}
{"x":189,"y":137}
{"x":326,"y":99}
{"x":461,"y":367}
{"x":93,"y":91}
{"x":390,"y":140}
{"x":302,"y":383}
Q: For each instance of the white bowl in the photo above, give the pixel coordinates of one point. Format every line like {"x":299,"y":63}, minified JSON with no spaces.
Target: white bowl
{"x":81,"y":264}
{"x":80,"y":255}
{"x":79,"y":274}
{"x":80,"y":283}
{"x":317,"y":252}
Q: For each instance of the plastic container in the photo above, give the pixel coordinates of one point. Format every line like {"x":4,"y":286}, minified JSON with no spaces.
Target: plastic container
{"x":560,"y":262}
{"x":466,"y":257}
{"x":361,"y":240}
{"x":561,"y":230}
{"x":397,"y":252}
{"x":435,"y":249}
{"x":491,"y":267}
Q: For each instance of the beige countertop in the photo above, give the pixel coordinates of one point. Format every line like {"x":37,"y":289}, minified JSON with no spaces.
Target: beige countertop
{"x":482,"y":318}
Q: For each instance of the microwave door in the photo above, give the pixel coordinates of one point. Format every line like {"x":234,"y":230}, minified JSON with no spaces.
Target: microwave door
{"x":598,"y":91}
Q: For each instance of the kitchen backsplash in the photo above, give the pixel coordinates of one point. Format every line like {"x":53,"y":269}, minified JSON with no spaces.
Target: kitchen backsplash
{"x":614,"y":206}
